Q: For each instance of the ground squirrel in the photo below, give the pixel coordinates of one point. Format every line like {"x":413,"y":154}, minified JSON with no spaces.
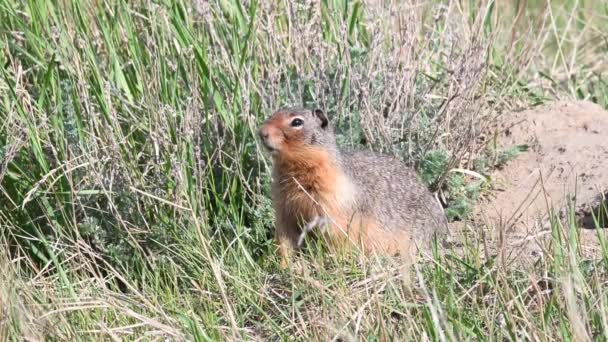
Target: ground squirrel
{"x":358,"y":198}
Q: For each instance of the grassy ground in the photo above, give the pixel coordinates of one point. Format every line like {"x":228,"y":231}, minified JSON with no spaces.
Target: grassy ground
{"x":134,"y":196}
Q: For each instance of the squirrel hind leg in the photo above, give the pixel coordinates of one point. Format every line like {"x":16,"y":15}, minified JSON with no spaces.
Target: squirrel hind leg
{"x":318,"y":222}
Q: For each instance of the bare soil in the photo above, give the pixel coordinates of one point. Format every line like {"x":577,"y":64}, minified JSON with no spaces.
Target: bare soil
{"x":564,"y":167}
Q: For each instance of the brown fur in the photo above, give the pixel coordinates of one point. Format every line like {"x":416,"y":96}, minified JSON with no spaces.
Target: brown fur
{"x":310,"y":180}
{"x":305,"y":186}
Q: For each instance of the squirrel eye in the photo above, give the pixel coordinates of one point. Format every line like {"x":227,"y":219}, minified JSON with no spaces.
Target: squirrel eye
{"x":297,"y":122}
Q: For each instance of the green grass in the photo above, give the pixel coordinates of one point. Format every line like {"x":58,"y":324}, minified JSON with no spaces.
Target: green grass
{"x":134,"y":195}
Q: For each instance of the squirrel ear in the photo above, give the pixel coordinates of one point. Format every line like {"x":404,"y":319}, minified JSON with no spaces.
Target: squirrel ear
{"x":324,"y":121}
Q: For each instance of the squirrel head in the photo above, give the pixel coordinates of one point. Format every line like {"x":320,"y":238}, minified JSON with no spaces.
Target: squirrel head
{"x":291,"y":130}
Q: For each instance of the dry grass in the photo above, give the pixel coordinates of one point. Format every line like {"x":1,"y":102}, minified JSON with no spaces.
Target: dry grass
{"x":134,"y":195}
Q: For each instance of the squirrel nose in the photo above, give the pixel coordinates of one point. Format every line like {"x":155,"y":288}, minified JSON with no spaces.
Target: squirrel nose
{"x":264,"y":133}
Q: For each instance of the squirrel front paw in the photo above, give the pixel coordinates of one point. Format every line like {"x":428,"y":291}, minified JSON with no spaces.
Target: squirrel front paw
{"x":318,"y":222}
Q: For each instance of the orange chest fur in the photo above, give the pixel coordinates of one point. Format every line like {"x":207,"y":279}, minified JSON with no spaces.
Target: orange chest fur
{"x":308,"y":186}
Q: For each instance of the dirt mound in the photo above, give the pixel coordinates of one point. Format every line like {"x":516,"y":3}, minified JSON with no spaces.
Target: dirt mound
{"x":566,"y":162}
